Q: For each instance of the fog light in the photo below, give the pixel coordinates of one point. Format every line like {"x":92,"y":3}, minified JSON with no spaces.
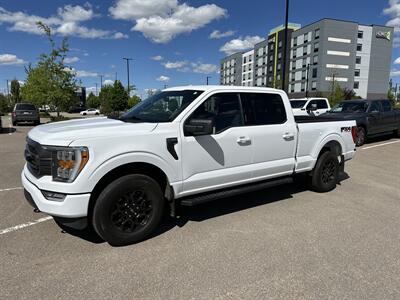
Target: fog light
{"x":52,"y":196}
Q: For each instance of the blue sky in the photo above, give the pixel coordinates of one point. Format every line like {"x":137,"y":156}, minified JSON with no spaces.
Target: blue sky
{"x":169,"y":40}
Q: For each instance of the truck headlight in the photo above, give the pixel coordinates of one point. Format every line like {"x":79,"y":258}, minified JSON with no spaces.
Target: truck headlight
{"x":67,"y":163}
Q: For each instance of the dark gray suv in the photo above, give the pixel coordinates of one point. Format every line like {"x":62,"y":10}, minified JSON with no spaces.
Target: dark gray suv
{"x":25,"y":112}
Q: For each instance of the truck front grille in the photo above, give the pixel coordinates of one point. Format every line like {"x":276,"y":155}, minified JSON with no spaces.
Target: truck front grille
{"x":38,"y":158}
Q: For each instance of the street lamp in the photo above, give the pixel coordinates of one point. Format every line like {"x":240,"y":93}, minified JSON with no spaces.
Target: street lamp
{"x":127,"y":69}
{"x":208,"y":78}
{"x":285,"y":46}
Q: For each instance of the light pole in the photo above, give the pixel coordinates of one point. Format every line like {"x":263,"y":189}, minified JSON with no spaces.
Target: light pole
{"x":285,"y":46}
{"x":208,"y":78}
{"x":127,"y":70}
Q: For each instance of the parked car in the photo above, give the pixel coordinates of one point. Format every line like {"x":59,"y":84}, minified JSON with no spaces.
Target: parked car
{"x":25,"y":112}
{"x":76,"y":109}
{"x":309,"y":106}
{"x":183,"y":146}
{"x":90,"y":111}
{"x":373,"y":117}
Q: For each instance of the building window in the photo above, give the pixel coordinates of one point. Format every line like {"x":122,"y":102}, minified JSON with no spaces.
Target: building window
{"x":295,"y":41}
{"x":250,"y":57}
{"x":244,"y":59}
{"x":306,"y":37}
{"x":270,"y":68}
{"x":294,"y":54}
{"x":279,"y":67}
{"x":280,"y":44}
{"x":305,"y":52}
{"x":303,"y":74}
{"x":292,"y":88}
{"x":315,"y":60}
{"x":357,"y":72}
{"x":359,"y":47}
{"x":316,"y":34}
{"x":293,"y":76}
{"x":358,"y":60}
{"x":244,"y":77}
{"x":270,"y":78}
{"x":271,"y":46}
{"x":271,"y":58}
{"x":249,"y":76}
{"x":316,"y":47}
{"x":278,"y":77}
{"x":303,"y":86}
{"x":356,"y":85}
{"x":294,"y":66}
{"x":314,"y":85}
{"x":304,"y":62}
{"x":314,"y":73}
{"x":279,"y":55}
{"x":360,"y":34}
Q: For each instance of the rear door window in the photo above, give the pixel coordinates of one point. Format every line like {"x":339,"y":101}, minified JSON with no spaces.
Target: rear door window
{"x":386,"y":105}
{"x":375,"y":107}
{"x":25,"y":106}
{"x":263,"y":109}
{"x":321,"y":104}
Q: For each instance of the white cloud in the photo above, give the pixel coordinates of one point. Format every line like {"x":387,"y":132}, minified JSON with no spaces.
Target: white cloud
{"x":10,"y":59}
{"x":216,"y":34}
{"x":157,"y":58}
{"x":67,"y":22}
{"x":163,"y":78}
{"x":175,"y":65}
{"x":204,"y":68}
{"x":397,"y":61}
{"x":394,"y":73}
{"x":119,"y":35}
{"x":83,"y":73}
{"x":394,"y":12}
{"x":71,"y":60}
{"x":162,"y":20}
{"x":240,"y":44}
{"x":108,"y":82}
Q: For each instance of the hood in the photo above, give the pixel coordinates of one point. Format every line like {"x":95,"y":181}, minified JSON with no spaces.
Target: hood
{"x":65,"y":132}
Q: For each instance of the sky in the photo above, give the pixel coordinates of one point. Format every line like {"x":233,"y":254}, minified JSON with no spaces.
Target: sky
{"x":171,"y":42}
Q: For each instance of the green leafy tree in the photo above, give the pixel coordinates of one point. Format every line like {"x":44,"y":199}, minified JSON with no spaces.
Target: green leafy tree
{"x":15,"y":91}
{"x":337,"y":95}
{"x":349,"y":94}
{"x":3,"y":104}
{"x":119,"y":100}
{"x":51,"y":82}
{"x":93,"y":101}
{"x":104,"y":97}
{"x":132,"y":101}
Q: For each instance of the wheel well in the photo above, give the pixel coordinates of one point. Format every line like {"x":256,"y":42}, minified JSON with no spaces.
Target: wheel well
{"x":133,"y":168}
{"x":331,"y":146}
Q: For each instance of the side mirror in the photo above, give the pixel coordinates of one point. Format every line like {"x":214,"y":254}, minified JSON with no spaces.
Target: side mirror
{"x":196,"y":127}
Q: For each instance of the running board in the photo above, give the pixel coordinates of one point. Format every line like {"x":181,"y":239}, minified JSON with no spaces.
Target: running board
{"x":207,"y":197}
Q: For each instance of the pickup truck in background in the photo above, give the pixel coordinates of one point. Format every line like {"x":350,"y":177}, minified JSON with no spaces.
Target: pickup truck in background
{"x":373,"y":117}
{"x":184,"y":146}
{"x":309,"y":106}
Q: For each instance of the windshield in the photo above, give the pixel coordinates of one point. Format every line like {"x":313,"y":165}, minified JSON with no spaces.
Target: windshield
{"x":350,"y":107}
{"x":162,"y":107}
{"x":25,"y":106}
{"x":297,"y":103}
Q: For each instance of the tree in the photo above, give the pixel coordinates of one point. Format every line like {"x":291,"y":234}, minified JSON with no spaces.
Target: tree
{"x":51,"y":82}
{"x":133,"y":101}
{"x":337,"y":95}
{"x":3,"y":104}
{"x":15,"y":91}
{"x":113,"y":98}
{"x":349,"y":94}
{"x":92,"y":101}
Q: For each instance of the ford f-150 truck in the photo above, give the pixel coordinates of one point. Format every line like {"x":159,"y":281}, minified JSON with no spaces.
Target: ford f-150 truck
{"x":183,"y":146}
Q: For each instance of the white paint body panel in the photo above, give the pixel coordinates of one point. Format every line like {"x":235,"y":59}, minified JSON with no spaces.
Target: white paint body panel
{"x":204,"y":163}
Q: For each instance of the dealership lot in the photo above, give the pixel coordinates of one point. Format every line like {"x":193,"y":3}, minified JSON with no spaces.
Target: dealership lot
{"x":285,"y":242}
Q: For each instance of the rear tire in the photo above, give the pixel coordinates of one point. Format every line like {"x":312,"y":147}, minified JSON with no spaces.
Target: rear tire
{"x":361,"y":136}
{"x":326,"y":173}
{"x":128,"y":210}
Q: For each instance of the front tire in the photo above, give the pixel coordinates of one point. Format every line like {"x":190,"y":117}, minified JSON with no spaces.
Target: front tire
{"x":326,"y":173}
{"x":361,"y":136}
{"x":128,"y":210}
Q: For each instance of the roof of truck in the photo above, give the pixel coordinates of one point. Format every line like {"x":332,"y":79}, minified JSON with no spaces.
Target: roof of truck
{"x":221,"y":88}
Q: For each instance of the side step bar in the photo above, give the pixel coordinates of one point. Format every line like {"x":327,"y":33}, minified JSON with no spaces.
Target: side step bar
{"x":207,"y":197}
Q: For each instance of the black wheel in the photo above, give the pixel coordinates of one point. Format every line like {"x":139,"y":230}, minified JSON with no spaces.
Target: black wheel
{"x":397,"y":133}
{"x":128,"y":210}
{"x":84,"y":114}
{"x":14,"y":123}
{"x":361,"y":136}
{"x":36,"y":123}
{"x":326,"y":173}
{"x":96,"y":114}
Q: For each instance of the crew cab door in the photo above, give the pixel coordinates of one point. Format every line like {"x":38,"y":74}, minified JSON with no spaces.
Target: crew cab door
{"x":219,"y":159}
{"x":388,"y":116}
{"x":273,"y":131}
{"x":375,"y":118}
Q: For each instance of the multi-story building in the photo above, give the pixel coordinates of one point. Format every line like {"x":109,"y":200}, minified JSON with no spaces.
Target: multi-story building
{"x":330,"y":52}
{"x":268,"y":69}
{"x":248,"y":68}
{"x":231,"y":69}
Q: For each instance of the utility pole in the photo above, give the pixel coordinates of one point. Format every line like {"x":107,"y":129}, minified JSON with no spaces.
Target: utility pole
{"x":8,"y":93}
{"x":285,"y":46}
{"x":308,"y":76}
{"x":127,"y":70}
{"x":165,"y":86}
{"x":96,"y":89}
{"x":116,"y":76}
{"x":333,"y":85}
{"x":208,"y":77}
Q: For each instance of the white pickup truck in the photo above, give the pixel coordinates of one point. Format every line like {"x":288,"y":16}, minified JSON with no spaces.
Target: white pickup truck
{"x":183,"y":146}
{"x":309,"y":106}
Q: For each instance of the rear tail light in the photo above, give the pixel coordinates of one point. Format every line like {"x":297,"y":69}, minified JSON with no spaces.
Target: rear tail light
{"x":354,"y":133}
{"x":13,"y":114}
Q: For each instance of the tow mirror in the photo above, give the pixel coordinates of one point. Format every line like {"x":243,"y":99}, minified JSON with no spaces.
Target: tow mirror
{"x":196,"y":127}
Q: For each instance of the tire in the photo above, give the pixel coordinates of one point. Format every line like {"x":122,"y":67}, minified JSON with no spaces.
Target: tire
{"x":14,"y":123}
{"x":96,"y":114}
{"x":397,"y":133}
{"x":84,"y":114}
{"x":128,"y":210}
{"x":326,"y":173}
{"x":36,"y":123}
{"x":361,"y":136}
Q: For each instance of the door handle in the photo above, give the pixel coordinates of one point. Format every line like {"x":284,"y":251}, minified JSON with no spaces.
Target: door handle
{"x":288,"y":136}
{"x":243,"y":140}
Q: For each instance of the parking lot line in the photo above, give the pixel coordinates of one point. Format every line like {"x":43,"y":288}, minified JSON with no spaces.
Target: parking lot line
{"x":380,"y":145}
{"x":11,"y":189}
{"x":23,"y":225}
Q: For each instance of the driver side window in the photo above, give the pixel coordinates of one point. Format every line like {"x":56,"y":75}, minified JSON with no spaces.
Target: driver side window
{"x":375,"y":107}
{"x":223,"y":109}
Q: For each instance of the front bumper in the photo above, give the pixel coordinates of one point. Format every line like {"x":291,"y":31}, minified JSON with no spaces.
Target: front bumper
{"x":73,"y":206}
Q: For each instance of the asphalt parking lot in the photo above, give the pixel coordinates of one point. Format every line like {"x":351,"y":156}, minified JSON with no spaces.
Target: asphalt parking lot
{"x":285,"y":242}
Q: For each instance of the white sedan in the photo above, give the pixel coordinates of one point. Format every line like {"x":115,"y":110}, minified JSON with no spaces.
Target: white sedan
{"x":90,"y":111}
